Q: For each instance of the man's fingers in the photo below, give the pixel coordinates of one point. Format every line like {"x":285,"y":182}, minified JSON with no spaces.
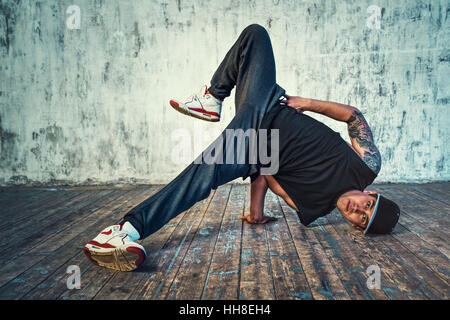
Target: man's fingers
{"x":264,"y":219}
{"x":244,"y":218}
{"x":247,"y":218}
{"x":268,"y":219}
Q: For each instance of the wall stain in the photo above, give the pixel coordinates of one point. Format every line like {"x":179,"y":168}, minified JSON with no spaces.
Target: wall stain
{"x":167,"y":22}
{"x":137,"y":40}
{"x":8,"y":143}
{"x":54,"y":134}
{"x":9,"y":10}
{"x":106,"y":72}
{"x":37,"y":20}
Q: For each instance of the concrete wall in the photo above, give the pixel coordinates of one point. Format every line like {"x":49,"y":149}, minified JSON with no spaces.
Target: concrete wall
{"x":89,"y":105}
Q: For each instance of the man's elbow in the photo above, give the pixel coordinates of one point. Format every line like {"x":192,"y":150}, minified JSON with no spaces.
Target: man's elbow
{"x":379,"y":162}
{"x":354,"y":114}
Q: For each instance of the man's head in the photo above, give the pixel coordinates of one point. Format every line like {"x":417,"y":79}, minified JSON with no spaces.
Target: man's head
{"x":369,"y":211}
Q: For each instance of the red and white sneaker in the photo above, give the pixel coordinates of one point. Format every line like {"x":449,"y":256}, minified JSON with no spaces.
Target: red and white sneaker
{"x":202,"y":105}
{"x":113,"y":248}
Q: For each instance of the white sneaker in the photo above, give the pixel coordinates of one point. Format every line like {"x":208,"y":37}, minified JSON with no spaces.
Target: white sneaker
{"x":202,"y":106}
{"x":114,"y":249}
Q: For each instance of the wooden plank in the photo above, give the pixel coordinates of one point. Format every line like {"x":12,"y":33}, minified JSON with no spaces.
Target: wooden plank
{"x":166,"y":262}
{"x":426,"y":252}
{"x":166,"y":249}
{"x":28,"y":275}
{"x":24,"y":210}
{"x":73,"y":227}
{"x":20,"y":199}
{"x":288,"y":275}
{"x":414,"y":259}
{"x":439,"y":186}
{"x":25,"y":239}
{"x":424,"y":210}
{"x":15,"y":266}
{"x":394,"y":283}
{"x":112,"y":285}
{"x":429,"y":243}
{"x":432,"y":237}
{"x":53,"y":284}
{"x":57,"y":200}
{"x":322,"y":278}
{"x":348,"y":265}
{"x":16,"y":241}
{"x":417,"y":272}
{"x":430,"y":190}
{"x":411,"y":219}
{"x":189,"y":281}
{"x":222,"y":281}
{"x":94,"y":277}
{"x":25,"y":218}
{"x":427,"y":222}
{"x":13,"y":199}
{"x":256,"y":282}
{"x":419,"y":193}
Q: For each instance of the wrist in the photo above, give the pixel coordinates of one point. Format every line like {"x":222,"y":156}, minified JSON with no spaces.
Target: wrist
{"x":255,"y":214}
{"x":308,"y":104}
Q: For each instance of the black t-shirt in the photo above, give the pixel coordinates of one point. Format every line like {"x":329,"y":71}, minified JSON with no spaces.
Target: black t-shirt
{"x":316,"y":166}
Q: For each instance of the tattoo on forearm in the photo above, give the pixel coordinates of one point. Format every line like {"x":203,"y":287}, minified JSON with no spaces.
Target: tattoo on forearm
{"x":360,"y":132}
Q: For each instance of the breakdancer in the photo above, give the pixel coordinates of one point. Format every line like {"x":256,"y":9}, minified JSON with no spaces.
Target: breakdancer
{"x":315,"y":172}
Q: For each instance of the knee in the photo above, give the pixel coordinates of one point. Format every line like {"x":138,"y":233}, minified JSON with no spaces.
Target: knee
{"x":256,"y":29}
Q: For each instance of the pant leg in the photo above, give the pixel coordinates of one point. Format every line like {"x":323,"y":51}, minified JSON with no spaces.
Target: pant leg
{"x":250,"y":67}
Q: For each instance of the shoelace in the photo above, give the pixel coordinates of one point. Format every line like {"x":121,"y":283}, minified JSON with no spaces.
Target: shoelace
{"x":202,"y":93}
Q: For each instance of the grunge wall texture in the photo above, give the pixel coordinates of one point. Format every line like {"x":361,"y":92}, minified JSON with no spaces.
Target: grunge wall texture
{"x":90,"y":105}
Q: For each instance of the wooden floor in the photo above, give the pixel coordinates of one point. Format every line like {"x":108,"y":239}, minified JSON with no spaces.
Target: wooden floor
{"x":208,"y":253}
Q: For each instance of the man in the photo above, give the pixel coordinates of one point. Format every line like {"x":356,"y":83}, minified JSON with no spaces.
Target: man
{"x":318,"y":171}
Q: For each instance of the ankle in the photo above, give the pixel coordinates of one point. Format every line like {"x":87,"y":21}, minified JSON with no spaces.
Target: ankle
{"x":129,"y":229}
{"x":209,"y":92}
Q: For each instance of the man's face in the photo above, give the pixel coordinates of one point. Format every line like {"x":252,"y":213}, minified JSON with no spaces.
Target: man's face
{"x":357,"y":207}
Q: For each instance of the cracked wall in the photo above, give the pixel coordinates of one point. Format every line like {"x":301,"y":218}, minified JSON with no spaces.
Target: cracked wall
{"x":89,"y":105}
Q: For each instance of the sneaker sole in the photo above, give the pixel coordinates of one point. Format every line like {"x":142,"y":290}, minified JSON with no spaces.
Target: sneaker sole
{"x":121,"y":259}
{"x":198,"y":115}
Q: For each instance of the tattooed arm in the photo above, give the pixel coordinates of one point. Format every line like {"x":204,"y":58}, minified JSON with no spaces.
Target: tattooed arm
{"x":358,"y":129}
{"x":362,"y":140}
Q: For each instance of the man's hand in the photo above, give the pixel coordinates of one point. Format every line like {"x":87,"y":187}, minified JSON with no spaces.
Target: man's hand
{"x":258,"y":220}
{"x":298,"y":103}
